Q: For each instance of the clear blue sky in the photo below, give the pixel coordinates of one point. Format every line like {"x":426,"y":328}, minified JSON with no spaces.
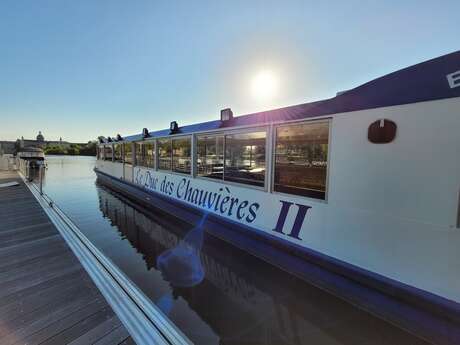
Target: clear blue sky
{"x":83,"y":68}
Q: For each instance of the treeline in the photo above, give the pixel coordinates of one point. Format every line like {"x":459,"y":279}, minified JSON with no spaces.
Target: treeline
{"x":74,"y":149}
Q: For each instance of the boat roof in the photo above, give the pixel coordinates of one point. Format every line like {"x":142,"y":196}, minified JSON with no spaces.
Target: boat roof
{"x":438,"y":78}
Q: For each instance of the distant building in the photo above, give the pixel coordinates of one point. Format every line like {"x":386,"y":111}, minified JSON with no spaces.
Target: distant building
{"x":8,"y":147}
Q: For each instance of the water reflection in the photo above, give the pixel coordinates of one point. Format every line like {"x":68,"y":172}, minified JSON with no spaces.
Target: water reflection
{"x":233,"y":297}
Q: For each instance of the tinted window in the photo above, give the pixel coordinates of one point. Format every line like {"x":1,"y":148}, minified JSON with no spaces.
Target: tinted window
{"x":145,"y":154}
{"x":139,"y":153}
{"x":107,"y":152}
{"x":301,"y":159}
{"x":164,"y":154}
{"x":181,"y":153}
{"x":128,"y":153}
{"x":245,"y":158}
{"x":117,"y":148}
{"x":210,"y":156}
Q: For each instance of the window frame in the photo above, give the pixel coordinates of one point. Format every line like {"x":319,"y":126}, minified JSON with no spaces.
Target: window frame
{"x":327,"y":120}
{"x":157,"y":148}
{"x":171,"y":138}
{"x":108,"y":159}
{"x":195,"y":158}
{"x":123,"y":153}
{"x":144,"y":142}
{"x":192,"y":161}
{"x":243,"y":130}
{"x":136,"y":144}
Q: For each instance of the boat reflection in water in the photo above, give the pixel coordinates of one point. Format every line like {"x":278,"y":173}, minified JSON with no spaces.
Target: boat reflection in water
{"x":237,"y":298}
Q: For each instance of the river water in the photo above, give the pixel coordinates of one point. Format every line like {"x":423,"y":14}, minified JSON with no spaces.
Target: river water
{"x":222,"y":295}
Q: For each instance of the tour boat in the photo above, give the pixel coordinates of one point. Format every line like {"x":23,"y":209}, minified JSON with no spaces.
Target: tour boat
{"x":359,"y":194}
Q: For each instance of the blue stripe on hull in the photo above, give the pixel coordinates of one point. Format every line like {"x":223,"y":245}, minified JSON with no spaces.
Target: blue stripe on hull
{"x":429,"y":316}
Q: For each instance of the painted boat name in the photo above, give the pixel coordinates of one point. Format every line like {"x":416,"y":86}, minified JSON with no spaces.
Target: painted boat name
{"x":221,"y":201}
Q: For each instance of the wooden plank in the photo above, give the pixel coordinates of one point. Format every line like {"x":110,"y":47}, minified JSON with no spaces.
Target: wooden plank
{"x":26,"y":236}
{"x":12,"y":262}
{"x":20,"y":297}
{"x":19,"y":211}
{"x":128,"y":341}
{"x":17,"y":223}
{"x":47,"y":326}
{"x":96,"y":333}
{"x":33,"y":304}
{"x":20,"y":195}
{"x":45,"y":294}
{"x":29,"y":246}
{"x":35,"y":279}
{"x":29,"y":213}
{"x":23,"y":232}
{"x":13,"y":207}
{"x":19,"y":207}
{"x":9,"y":184}
{"x":23,"y":228}
{"x":117,"y":336}
{"x":24,"y":274}
{"x":35,"y":312}
{"x":20,"y":293}
{"x":80,"y":324}
{"x":47,"y":261}
{"x":10,"y":221}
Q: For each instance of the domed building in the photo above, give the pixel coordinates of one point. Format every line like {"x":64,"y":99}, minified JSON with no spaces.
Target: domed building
{"x":40,"y":137}
{"x":40,"y":142}
{"x":9,"y":147}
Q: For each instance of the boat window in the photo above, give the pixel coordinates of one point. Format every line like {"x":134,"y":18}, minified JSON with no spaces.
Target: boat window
{"x":149,"y":151}
{"x":181,"y":155}
{"x":108,"y":152}
{"x":139,"y":154}
{"x":128,"y":153}
{"x":164,"y":154}
{"x":301,"y":159}
{"x":245,"y":158}
{"x":145,"y":154}
{"x":210,"y":156}
{"x":117,"y":148}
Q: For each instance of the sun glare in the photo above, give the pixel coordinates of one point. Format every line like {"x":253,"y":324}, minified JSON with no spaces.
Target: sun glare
{"x":264,"y":85}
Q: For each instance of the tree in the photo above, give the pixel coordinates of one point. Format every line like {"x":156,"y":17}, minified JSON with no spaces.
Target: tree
{"x":73,"y":150}
{"x":55,"y":150}
{"x":88,"y":149}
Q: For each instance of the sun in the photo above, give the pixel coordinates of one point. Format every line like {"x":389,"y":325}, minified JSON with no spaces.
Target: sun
{"x":264,"y":85}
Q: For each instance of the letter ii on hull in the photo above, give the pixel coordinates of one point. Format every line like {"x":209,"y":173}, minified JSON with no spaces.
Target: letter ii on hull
{"x":301,"y":213}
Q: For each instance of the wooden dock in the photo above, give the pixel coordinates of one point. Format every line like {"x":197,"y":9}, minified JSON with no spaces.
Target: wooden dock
{"x":46,"y":296}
